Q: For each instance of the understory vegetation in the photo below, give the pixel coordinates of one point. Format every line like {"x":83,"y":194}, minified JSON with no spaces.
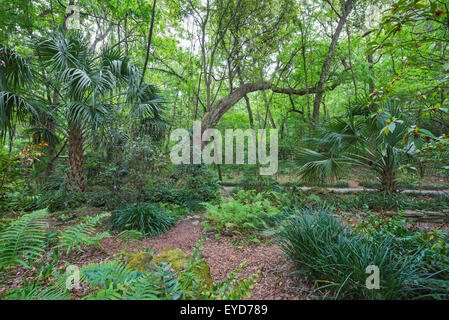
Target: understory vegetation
{"x":102,"y":197}
{"x":411,"y":264}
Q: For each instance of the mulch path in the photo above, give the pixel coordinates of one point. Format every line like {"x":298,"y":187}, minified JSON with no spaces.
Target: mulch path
{"x":275,"y":281}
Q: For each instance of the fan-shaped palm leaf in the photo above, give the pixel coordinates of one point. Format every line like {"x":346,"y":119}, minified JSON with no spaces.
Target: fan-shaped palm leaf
{"x":13,"y":108}
{"x":83,"y":114}
{"x":15,"y":71}
{"x":62,"y":51}
{"x":320,"y":167}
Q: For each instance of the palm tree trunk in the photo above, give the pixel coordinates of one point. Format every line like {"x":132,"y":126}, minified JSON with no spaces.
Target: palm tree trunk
{"x":75,"y":174}
{"x":388,"y":172}
{"x":388,"y":181}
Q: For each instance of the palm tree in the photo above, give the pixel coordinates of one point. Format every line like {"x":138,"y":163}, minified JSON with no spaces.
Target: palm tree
{"x":87,"y":83}
{"x":15,"y":79}
{"x":368,"y":135}
{"x":85,"y":87}
{"x":84,"y":83}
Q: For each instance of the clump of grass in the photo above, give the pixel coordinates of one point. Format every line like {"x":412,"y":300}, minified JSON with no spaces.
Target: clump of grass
{"x":151,"y":219}
{"x":325,"y":250}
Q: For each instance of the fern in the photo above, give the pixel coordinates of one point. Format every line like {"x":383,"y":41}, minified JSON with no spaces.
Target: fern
{"x":75,"y":236}
{"x":24,"y":239}
{"x":232,"y":289}
{"x":111,"y":291}
{"x":235,"y":215}
{"x":128,"y":237}
{"x":38,"y":293}
{"x":117,"y":281}
{"x":157,"y":285}
{"x":98,"y":274}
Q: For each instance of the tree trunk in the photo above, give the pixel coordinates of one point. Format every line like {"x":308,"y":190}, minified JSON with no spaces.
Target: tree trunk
{"x":211,"y":118}
{"x":125,"y":30}
{"x":388,"y":181}
{"x":348,"y":32}
{"x":250,"y":112}
{"x":371,"y":71}
{"x":150,"y":35}
{"x":49,"y":123}
{"x":66,"y":16}
{"x":75,"y":174}
{"x":327,"y":62}
{"x":306,"y":81}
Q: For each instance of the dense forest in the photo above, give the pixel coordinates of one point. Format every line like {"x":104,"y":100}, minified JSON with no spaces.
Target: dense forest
{"x":224,"y":149}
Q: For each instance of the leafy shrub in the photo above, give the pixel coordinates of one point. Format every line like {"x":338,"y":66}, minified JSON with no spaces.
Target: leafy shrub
{"x":9,"y":170}
{"x":19,"y":199}
{"x":100,"y":197}
{"x":237,"y":215}
{"x":189,"y":186}
{"x":166,"y":194}
{"x":251,"y":196}
{"x":182,"y":197}
{"x":176,"y":210}
{"x":61,"y":199}
{"x":198,"y":179}
{"x":324,"y":249}
{"x":395,"y":225}
{"x":151,"y":219}
{"x":432,"y":244}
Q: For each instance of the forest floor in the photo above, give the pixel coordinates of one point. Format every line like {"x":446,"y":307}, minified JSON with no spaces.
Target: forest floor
{"x":223,"y":255}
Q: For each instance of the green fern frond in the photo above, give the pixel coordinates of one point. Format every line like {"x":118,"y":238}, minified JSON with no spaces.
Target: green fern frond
{"x":74,"y":237}
{"x":127,"y":237}
{"x":98,"y":274}
{"x":38,"y":293}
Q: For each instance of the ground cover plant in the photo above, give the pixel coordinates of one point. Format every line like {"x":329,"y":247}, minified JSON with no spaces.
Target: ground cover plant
{"x":150,"y":219}
{"x":244,"y":212}
{"x":337,"y":258}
